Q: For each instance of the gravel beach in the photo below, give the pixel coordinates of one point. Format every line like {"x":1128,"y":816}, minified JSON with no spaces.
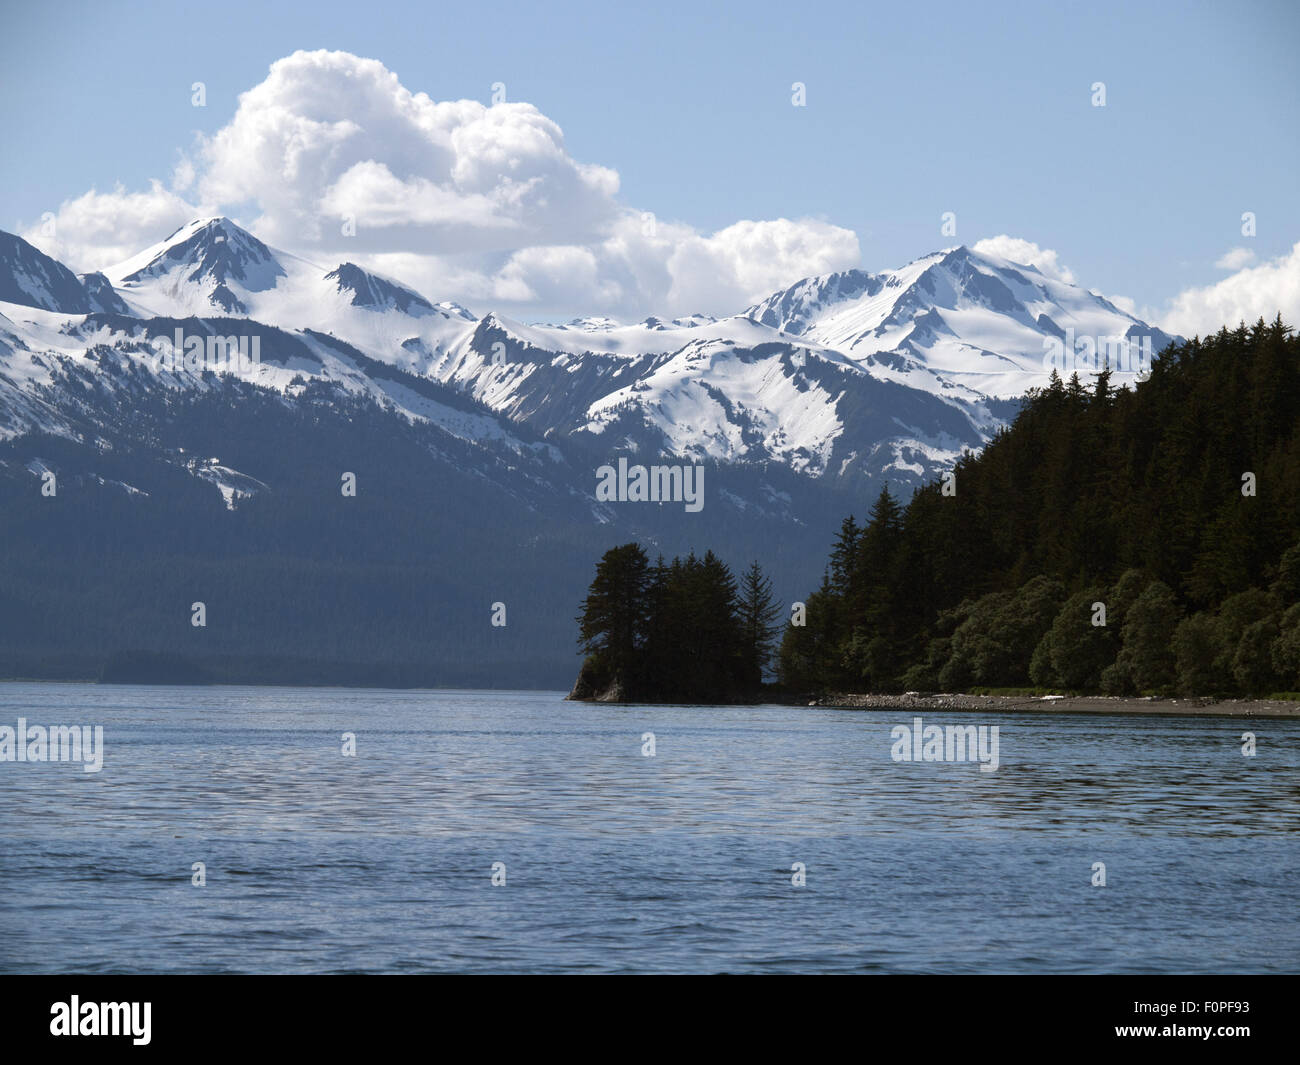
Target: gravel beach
{"x":1055,"y":704}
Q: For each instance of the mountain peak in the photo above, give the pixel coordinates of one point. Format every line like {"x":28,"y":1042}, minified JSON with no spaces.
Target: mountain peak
{"x":100,"y":293}
{"x":210,"y":262}
{"x":31,"y":278}
{"x":377,"y":293}
{"x":216,"y":225}
{"x":955,"y":316}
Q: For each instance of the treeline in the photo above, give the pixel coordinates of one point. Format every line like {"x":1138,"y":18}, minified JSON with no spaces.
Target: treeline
{"x":1117,"y":541}
{"x":685,"y":631}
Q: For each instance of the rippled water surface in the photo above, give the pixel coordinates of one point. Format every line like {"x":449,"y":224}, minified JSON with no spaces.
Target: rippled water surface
{"x":615,"y":861}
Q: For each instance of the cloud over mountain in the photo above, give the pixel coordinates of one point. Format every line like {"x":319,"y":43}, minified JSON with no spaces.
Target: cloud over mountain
{"x":332,"y":153}
{"x":1027,"y":252}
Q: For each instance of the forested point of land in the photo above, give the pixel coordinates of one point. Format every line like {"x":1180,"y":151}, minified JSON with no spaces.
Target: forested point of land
{"x":685,"y":631}
{"x":1115,"y":541}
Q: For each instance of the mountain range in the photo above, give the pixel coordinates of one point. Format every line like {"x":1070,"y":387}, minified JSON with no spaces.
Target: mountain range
{"x":800,"y":406}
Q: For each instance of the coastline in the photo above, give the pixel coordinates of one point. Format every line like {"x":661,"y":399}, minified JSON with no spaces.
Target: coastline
{"x":1068,"y":704}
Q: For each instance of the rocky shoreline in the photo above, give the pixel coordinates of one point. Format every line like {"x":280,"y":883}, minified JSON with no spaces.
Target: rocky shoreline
{"x":1069,"y":704}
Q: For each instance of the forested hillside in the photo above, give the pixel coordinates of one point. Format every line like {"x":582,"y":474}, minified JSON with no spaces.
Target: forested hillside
{"x":1120,"y":541}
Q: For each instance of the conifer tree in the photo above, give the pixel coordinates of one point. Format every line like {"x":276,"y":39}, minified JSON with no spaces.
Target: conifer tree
{"x":612,"y":626}
{"x":758,"y":622}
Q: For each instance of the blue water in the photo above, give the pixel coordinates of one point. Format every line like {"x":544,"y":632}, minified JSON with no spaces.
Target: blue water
{"x":619,"y":862}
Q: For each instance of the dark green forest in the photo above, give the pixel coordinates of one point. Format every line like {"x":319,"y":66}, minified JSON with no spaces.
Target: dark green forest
{"x":1142,"y":541}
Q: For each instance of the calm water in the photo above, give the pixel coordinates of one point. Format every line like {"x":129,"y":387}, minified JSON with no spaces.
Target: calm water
{"x":620,"y":862}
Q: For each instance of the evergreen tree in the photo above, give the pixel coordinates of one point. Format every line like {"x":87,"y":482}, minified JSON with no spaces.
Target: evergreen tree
{"x":869,"y":639}
{"x":612,"y":625}
{"x":758,"y":622}
{"x":806,"y":660}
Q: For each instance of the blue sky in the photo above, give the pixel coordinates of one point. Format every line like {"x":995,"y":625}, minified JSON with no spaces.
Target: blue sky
{"x":912,"y":110}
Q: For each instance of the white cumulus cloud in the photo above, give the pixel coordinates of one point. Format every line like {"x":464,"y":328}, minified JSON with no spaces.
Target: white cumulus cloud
{"x":331,"y":156}
{"x":98,"y":229}
{"x":1246,"y":296}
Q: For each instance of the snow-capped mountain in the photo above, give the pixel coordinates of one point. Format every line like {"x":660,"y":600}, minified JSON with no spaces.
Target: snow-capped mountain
{"x":30,"y":278}
{"x":213,"y":267}
{"x":59,"y":337}
{"x":955,"y":316}
{"x":101,"y":294}
{"x":208,"y":266}
{"x":852,"y":376}
{"x":731,"y":390}
{"x":377,"y":293}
